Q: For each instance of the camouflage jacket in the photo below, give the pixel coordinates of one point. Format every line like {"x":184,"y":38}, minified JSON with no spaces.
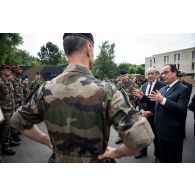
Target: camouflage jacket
{"x":26,"y":90}
{"x":18,"y":90}
{"x":7,"y":103}
{"x":78,"y":111}
{"x":35,"y":84}
{"x":128,"y":86}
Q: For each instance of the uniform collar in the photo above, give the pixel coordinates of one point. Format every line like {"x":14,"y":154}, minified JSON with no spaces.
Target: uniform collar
{"x":78,"y":68}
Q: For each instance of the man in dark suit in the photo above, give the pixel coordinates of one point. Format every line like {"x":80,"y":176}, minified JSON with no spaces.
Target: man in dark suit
{"x":170,"y":112}
{"x":147,"y":107}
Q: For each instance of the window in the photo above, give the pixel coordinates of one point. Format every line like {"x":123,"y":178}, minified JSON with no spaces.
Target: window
{"x":178,"y":57}
{"x":154,"y":60}
{"x":192,"y":65}
{"x":178,"y":66}
{"x":175,"y":55}
{"x":193,"y":54}
{"x":165,"y":59}
{"x":150,"y":63}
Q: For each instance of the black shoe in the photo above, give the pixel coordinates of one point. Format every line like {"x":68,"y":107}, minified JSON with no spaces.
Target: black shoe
{"x":140,"y":155}
{"x":18,"y":133}
{"x":14,"y":143}
{"x":157,"y":160}
{"x":8,"y":152}
{"x":1,"y":160}
{"x":16,"y":138}
{"x":118,"y":141}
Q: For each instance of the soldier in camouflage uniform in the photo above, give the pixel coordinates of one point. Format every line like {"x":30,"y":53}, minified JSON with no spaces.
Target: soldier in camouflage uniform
{"x":18,"y":95}
{"x":36,"y":83}
{"x":17,"y":83}
{"x":7,"y":106}
{"x":78,"y":109}
{"x":126,"y":84}
{"x":25,"y":86}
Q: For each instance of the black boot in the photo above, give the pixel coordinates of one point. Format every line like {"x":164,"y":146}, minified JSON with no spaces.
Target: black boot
{"x":142,"y":153}
{"x":118,"y":141}
{"x":14,"y":143}
{"x":1,"y":160}
{"x":8,"y":152}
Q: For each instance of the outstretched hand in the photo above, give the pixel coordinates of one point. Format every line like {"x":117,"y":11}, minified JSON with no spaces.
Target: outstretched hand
{"x":156,"y":96}
{"x":109,"y":153}
{"x":137,"y":92}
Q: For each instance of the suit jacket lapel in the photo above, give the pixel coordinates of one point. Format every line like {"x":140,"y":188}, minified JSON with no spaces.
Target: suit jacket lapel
{"x":144,"y":87}
{"x":155,"y":86}
{"x":172,"y":89}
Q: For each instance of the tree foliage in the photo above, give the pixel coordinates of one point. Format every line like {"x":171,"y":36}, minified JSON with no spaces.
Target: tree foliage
{"x":8,"y":46}
{"x":104,"y":63}
{"x":50,"y":54}
{"x":63,"y":59}
{"x":132,"y":68}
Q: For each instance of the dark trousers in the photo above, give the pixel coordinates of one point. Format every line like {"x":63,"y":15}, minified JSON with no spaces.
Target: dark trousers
{"x":5,"y":131}
{"x":171,"y":152}
{"x":155,"y":141}
{"x":194,"y":122}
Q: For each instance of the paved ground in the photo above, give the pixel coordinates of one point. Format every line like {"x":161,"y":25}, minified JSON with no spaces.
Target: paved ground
{"x":31,"y":152}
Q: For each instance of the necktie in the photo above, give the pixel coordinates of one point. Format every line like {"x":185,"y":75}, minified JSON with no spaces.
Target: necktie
{"x":164,"y":92}
{"x":150,"y":88}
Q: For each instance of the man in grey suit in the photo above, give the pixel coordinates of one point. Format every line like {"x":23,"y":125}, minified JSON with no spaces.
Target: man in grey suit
{"x":147,"y":107}
{"x":170,"y":112}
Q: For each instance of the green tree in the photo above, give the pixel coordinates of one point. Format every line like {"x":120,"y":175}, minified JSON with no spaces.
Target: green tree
{"x":63,"y":59}
{"x":22,"y":57}
{"x":124,"y":65}
{"x":50,"y":54}
{"x":8,"y":44}
{"x":140,"y":69}
{"x":104,"y":63}
{"x":132,"y":68}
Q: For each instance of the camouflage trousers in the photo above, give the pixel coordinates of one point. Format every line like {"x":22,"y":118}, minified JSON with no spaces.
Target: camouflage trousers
{"x":62,"y":158}
{"x":5,"y":130}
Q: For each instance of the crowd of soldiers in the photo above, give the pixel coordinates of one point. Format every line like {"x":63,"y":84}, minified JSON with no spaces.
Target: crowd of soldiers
{"x":14,"y":89}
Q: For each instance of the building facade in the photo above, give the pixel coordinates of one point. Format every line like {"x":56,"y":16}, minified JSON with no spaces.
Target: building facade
{"x":183,"y":59}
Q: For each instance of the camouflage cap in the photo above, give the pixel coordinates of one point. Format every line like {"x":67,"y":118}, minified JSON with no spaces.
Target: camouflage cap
{"x":5,"y":66}
{"x":87,"y":36}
